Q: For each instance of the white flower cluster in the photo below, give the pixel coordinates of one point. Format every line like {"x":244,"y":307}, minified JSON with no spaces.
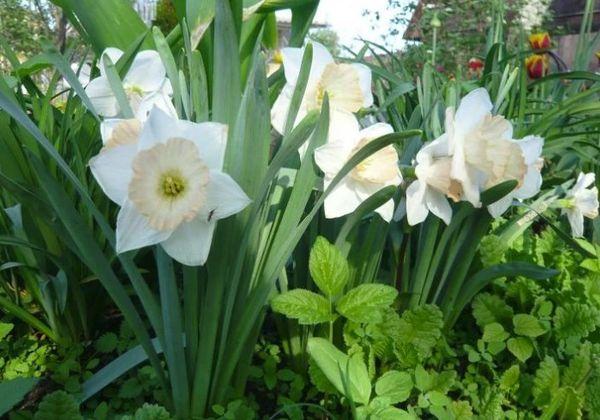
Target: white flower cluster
{"x":166,"y":173}
{"x":533,"y":13}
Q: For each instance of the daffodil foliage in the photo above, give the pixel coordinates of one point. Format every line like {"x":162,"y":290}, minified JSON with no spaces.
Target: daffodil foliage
{"x":188,"y":175}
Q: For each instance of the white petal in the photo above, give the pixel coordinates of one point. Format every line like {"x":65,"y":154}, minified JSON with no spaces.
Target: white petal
{"x":292,"y":61}
{"x":435,"y":149}
{"x":147,"y":71}
{"x":532,"y":183}
{"x":224,"y":197}
{"x":190,"y":243}
{"x":532,"y":148}
{"x":472,"y":109}
{"x":467,"y":176}
{"x":342,"y":200}
{"x":134,"y":232}
{"x":158,"y":99}
{"x":438,"y":204}
{"x":386,"y":210}
{"x":416,"y":207}
{"x":576,"y":220}
{"x":210,"y":138}
{"x":365,"y":77}
{"x":343,"y":126}
{"x":102,"y":97}
{"x":376,"y":130}
{"x":112,"y":170}
{"x":583,"y":181}
{"x":587,"y":202}
{"x":281,"y":107}
{"x":498,"y":208}
{"x":331,"y":157}
{"x":113,"y":53}
{"x":107,"y":127}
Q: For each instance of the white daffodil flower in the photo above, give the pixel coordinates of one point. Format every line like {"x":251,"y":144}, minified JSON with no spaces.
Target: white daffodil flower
{"x":169,"y":184}
{"x":145,"y":84}
{"x":371,"y":175}
{"x":483,"y":154}
{"x":348,"y":87}
{"x":581,"y":202}
{"x":530,"y":183}
{"x":433,"y":184}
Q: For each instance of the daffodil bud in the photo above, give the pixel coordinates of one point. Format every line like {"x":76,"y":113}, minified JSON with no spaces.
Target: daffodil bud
{"x":435,"y":22}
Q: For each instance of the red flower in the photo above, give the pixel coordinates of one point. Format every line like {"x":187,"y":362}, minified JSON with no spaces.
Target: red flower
{"x":539,"y":41}
{"x":475,"y":66}
{"x":537,"y":65}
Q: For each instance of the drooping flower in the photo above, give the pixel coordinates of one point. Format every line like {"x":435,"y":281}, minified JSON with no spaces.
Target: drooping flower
{"x":429,"y":192}
{"x":371,"y":175}
{"x":581,"y":202}
{"x":348,"y":87}
{"x":145,"y":85}
{"x":169,"y":184}
{"x":537,"y":65}
{"x":539,"y":41}
{"x":529,"y":183}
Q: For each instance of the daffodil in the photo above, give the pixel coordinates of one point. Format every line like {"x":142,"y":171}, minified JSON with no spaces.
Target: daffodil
{"x":369,"y":176}
{"x":429,"y":192}
{"x":530,"y":181}
{"x":169,"y":184}
{"x":348,"y":87}
{"x":581,"y":202}
{"x":480,"y":146}
{"x":145,"y":85}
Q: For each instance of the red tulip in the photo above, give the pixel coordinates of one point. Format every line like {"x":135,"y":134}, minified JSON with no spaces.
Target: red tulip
{"x":537,"y":66}
{"x":539,"y":41}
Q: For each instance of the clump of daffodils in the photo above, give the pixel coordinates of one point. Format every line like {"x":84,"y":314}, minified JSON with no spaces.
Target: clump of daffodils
{"x":475,"y":153}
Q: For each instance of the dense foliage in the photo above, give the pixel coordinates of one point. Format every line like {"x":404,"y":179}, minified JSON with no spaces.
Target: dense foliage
{"x":194,"y":224}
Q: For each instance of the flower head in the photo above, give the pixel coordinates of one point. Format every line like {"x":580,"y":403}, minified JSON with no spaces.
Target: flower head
{"x":539,"y":41}
{"x":529,"y":181}
{"x":581,"y":202}
{"x":537,"y":65}
{"x":348,"y":87}
{"x":371,"y":175}
{"x":429,"y":192}
{"x":475,"y":66}
{"x":145,"y":85}
{"x":169,"y":184}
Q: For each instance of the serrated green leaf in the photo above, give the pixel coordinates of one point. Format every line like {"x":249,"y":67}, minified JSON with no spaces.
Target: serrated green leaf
{"x":528,"y":325}
{"x":575,"y":320}
{"x":394,"y":385}
{"x":318,"y":378}
{"x":489,"y":308}
{"x":510,"y":377}
{"x":365,"y":303}
{"x":58,"y":405}
{"x":494,"y":332}
{"x":420,"y":328}
{"x":307,"y":307}
{"x":546,"y":382}
{"x":520,"y":347}
{"x":328,"y":267}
